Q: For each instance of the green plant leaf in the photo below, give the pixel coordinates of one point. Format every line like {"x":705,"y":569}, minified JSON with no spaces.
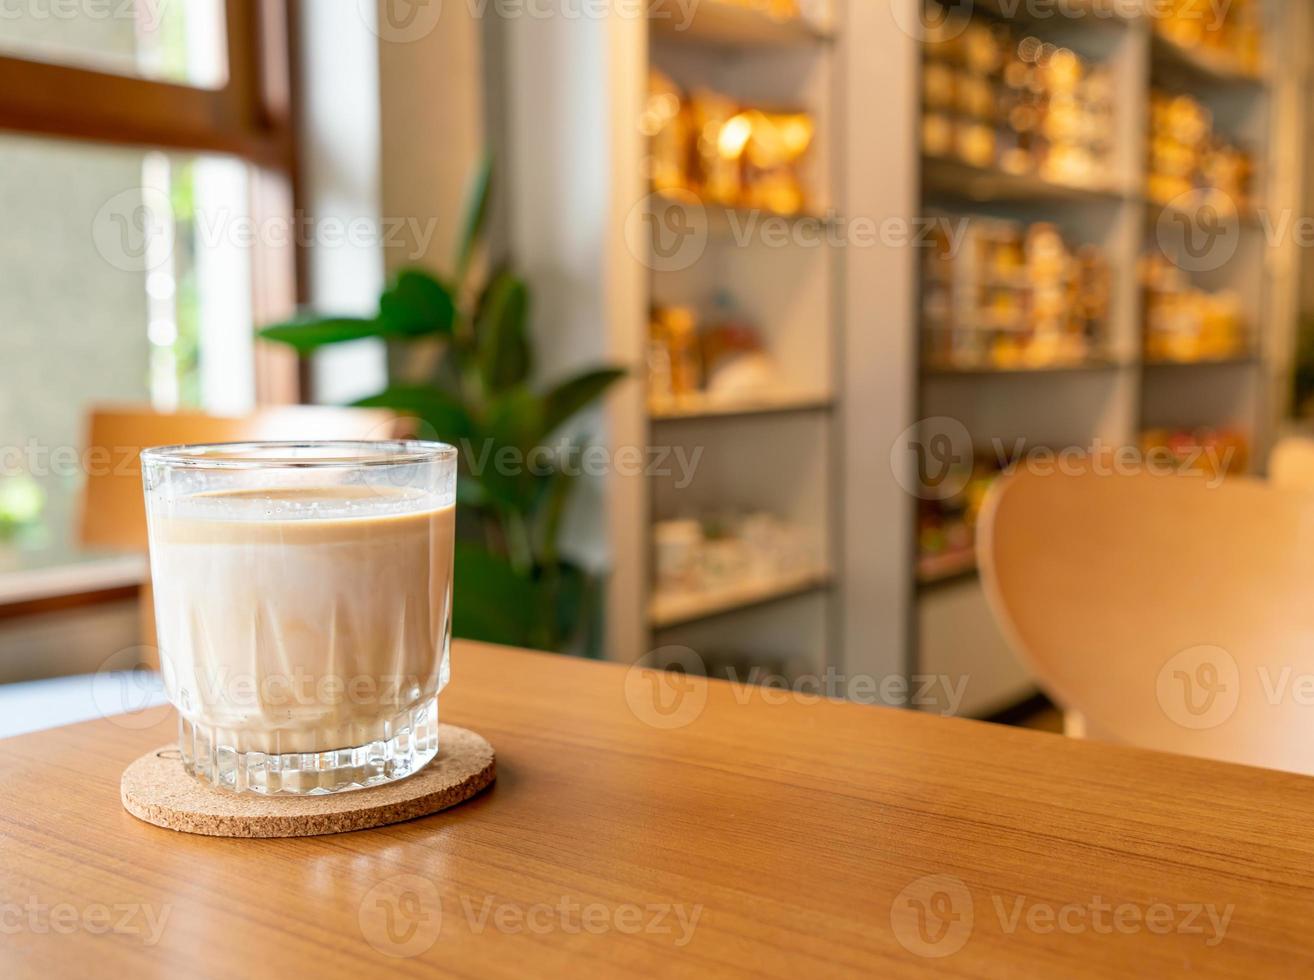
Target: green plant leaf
{"x":308,"y":332}
{"x":569,"y":397}
{"x":515,"y":418}
{"x":445,"y":415}
{"x":501,"y":331}
{"x":499,"y":455}
{"x":492,"y":602}
{"x":476,"y":213}
{"x":417,"y":304}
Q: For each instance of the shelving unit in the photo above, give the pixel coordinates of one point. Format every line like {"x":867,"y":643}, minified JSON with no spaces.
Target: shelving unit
{"x":1110,"y":400}
{"x":772,"y":452}
{"x":764,"y":403}
{"x":956,"y":180}
{"x":678,"y":608}
{"x":735,"y":27}
{"x":845,"y":321}
{"x":1088,"y":364}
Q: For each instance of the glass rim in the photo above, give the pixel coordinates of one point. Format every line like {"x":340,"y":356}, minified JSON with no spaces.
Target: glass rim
{"x":274,"y":454}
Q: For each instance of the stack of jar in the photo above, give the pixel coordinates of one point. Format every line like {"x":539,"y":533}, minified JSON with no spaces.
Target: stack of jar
{"x":711,"y":146}
{"x":1232,"y":30}
{"x":1187,"y":155}
{"x":1183,"y":323}
{"x":946,"y":529}
{"x":1000,"y":294}
{"x":726,"y":549}
{"x":1205,"y":450}
{"x":692,"y":364}
{"x":994,"y":99}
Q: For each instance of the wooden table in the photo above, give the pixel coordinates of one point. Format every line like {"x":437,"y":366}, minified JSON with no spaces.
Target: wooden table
{"x":750,"y":837}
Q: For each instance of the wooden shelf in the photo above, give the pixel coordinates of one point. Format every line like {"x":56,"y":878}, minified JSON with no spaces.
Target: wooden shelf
{"x":721,"y":23}
{"x":947,"y":177}
{"x":766,"y":403}
{"x":945,"y":569}
{"x":674,"y":608}
{"x":1247,"y":217}
{"x":1090,"y":364}
{"x":1237,"y":360}
{"x":1201,"y":65}
{"x":1090,"y":13}
{"x":730,"y":220}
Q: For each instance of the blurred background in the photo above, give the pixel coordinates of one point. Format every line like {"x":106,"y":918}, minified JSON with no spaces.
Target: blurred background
{"x":736,"y":308}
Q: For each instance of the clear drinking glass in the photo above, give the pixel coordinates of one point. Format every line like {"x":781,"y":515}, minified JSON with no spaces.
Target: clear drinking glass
{"x":303,"y":599}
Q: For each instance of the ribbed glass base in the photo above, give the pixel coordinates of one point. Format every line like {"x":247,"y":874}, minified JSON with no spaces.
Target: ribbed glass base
{"x":402,"y":746}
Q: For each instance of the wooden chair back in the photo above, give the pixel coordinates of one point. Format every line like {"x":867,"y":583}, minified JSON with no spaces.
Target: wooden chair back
{"x":1172,"y":612}
{"x":113,"y":509}
{"x":1291,"y":463}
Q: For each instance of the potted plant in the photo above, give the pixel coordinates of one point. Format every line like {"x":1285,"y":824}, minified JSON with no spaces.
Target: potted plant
{"x":461,"y":361}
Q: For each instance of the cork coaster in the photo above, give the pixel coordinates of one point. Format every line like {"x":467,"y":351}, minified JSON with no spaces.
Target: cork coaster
{"x":156,"y":788}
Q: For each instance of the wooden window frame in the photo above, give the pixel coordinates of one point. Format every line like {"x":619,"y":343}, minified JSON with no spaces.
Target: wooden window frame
{"x":251,"y":117}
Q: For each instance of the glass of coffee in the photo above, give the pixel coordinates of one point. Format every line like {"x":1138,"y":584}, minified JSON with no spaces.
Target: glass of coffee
{"x":303,"y":603}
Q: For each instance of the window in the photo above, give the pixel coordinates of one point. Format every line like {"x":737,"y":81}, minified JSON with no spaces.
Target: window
{"x":183,"y":42}
{"x":143,"y":145}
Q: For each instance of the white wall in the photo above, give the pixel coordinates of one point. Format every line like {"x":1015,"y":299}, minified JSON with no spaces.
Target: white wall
{"x":341,"y":181}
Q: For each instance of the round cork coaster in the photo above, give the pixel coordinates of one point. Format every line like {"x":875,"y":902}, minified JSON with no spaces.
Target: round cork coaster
{"x":156,"y":788}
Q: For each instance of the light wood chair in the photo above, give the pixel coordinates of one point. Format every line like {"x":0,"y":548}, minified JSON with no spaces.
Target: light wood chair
{"x":113,"y":508}
{"x":1291,"y":463}
{"x":1168,"y":612}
